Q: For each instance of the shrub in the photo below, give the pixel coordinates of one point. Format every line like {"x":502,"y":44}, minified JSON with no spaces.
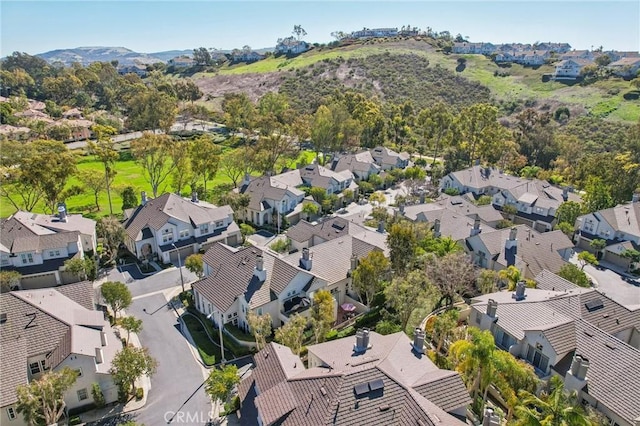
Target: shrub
{"x":98,"y":396}
{"x":247,"y":229}
{"x":139,"y":393}
{"x":75,"y":420}
{"x":452,"y":191}
{"x":484,"y":200}
{"x":331,"y":335}
{"x":281,"y":246}
{"x":232,"y":407}
{"x":504,"y":223}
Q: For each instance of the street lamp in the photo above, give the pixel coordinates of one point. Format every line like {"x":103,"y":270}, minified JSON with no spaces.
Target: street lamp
{"x":222,"y":361}
{"x":179,"y":266}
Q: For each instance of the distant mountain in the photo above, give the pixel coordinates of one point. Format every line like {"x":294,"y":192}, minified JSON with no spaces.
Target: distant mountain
{"x":170,"y":54}
{"x":87,"y":55}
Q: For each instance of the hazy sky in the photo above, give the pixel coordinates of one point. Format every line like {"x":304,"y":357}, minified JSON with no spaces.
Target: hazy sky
{"x":151,"y":26}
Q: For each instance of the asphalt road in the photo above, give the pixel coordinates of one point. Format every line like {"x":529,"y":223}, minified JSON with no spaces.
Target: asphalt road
{"x":176,"y":393}
{"x":162,"y":280}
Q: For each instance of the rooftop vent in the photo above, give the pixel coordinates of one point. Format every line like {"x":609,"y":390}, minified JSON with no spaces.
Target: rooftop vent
{"x":594,"y":305}
{"x":3,"y":318}
{"x":384,"y":407}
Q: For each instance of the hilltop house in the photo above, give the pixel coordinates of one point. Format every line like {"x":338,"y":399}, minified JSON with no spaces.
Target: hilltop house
{"x":625,"y":67}
{"x":536,"y":201}
{"x":37,"y":246}
{"x":522,"y":247}
{"x":388,"y":159}
{"x":369,"y":379}
{"x":362,"y":165}
{"x":14,"y":133}
{"x":474,"y":48}
{"x":182,"y":62}
{"x":247,"y":56}
{"x":169,"y":225}
{"x":375,"y":32}
{"x":291,"y":46}
{"x":47,"y":330}
{"x":139,"y":70}
{"x":570,"y":68}
{"x":579,"y":334}
{"x":619,"y":226}
{"x":251,"y":279}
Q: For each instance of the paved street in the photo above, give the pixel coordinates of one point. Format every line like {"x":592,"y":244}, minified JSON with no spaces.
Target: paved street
{"x":175,"y":388}
{"x":162,"y":280}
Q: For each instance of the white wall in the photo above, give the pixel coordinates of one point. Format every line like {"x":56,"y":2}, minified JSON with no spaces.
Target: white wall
{"x":89,"y":376}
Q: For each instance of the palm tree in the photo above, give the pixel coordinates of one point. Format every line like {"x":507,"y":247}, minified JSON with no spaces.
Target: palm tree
{"x":511,"y":275}
{"x":555,"y":408}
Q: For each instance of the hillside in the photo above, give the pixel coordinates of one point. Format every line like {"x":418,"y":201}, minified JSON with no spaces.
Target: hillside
{"x":393,"y":79}
{"x":87,"y":55}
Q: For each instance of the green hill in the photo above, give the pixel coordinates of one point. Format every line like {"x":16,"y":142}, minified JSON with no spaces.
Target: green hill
{"x":402,"y":69}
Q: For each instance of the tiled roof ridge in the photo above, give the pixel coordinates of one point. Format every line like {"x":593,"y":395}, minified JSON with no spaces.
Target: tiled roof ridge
{"x":603,"y":334}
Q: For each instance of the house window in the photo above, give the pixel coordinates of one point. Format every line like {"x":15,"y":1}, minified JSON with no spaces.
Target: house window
{"x":43,"y":366}
{"x":79,"y":371}
{"x":26,"y":258}
{"x":34,"y":367}
{"x":478,"y":319}
{"x":219,"y":224}
{"x":11,"y":413}
{"x":204,"y":229}
{"x":184,"y":233}
{"x":537,"y":359}
{"x":54,"y":253}
{"x":82,"y":394}
{"x":259,"y":311}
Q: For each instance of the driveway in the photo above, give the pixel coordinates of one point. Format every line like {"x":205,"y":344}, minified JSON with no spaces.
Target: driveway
{"x":159,"y":281}
{"x":176,"y":389}
{"x":613,"y":285}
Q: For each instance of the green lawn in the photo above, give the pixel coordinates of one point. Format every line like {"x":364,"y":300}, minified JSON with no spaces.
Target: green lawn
{"x":128,"y":174}
{"x":209,"y":352}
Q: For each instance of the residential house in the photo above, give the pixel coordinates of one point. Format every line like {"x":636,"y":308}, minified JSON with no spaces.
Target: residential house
{"x":536,"y":201}
{"x":139,"y":70}
{"x":375,"y":32}
{"x":47,"y":330}
{"x":169,"y":225}
{"x":317,"y":176}
{"x":578,"y":334}
{"x":291,"y":46}
{"x":625,"y":67}
{"x":248,"y":56}
{"x":366,"y":379}
{"x":307,"y":235}
{"x":534,"y":58}
{"x":270,"y":200}
{"x":619,"y":226}
{"x":37,"y":246}
{"x":251,"y":279}
{"x":388,"y":159}
{"x":182,"y":62}
{"x":34,"y":114}
{"x":570,"y":68}
{"x":578,"y":54}
{"x":14,"y":133}
{"x":73,"y":114}
{"x":474,"y":48}
{"x":522,"y":247}
{"x":362,"y":165}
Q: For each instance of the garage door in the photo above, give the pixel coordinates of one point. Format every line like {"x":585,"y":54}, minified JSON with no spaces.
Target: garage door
{"x":39,"y":281}
{"x":184,"y":252}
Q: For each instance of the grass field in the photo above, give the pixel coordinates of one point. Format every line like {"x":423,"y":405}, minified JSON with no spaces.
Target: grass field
{"x":128,"y":174}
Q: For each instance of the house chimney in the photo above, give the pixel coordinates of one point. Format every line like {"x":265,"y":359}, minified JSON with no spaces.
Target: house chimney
{"x":423,"y":198}
{"x":99,"y":356}
{"x":62,"y":212}
{"x":575,"y":365}
{"x":259,"y":271}
{"x":418,"y":340}
{"x":436,"y":228}
{"x":584,"y":368}
{"x":354,"y":262}
{"x":305,"y":260}
{"x":490,"y":418}
{"x":143,"y":198}
{"x":576,"y":377}
{"x":635,"y":197}
{"x":487,"y":172}
{"x":194,"y":197}
{"x":365,"y":338}
{"x":381,"y":226}
{"x":565,"y":193}
{"x":492,"y":308}
{"x":103,"y":338}
{"x":476,"y":227}
{"x":520,"y":289}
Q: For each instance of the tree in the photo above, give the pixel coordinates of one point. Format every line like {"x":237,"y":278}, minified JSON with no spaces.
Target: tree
{"x":271,"y":149}
{"x":436,"y":125}
{"x":487,"y":281}
{"x":221,"y":382}
{"x":104,"y":149}
{"x":387,"y":327}
{"x":112,"y":233}
{"x":205,"y":158}
{"x":260,"y":326}
{"x":239,"y":111}
{"x":42,"y":400}
{"x":632,"y":255}
{"x":585,"y":258}
{"x":571,"y":272}
{"x":404,"y":294}
{"x":598,"y":245}
{"x":151,"y":110}
{"x":322,"y":316}
{"x":452,"y":274}
{"x":377,"y":197}
{"x":94,"y":183}
{"x":299,"y":31}
{"x":131,"y":325}
{"x":18,"y":187}
{"x":369,"y":275}
{"x":116,"y":295}
{"x":402,"y":243}
{"x":238,"y":162}
{"x":310,"y":209}
{"x":182,"y":173}
{"x":480,"y":133}
{"x":129,"y":198}
{"x":472,"y":358}
{"x":195,"y":264}
{"x":202,"y":56}
{"x":9,"y":280}
{"x":154,"y":153}
{"x":443,"y":325}
{"x":291,"y":333}
{"x":568,"y":212}
{"x":512,"y":275}
{"x":78,"y":267}
{"x":597,"y":195}
{"x":553,"y":407}
{"x":128,"y":365}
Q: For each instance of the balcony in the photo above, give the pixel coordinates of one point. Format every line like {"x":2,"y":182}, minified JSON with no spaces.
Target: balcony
{"x":295,"y":305}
